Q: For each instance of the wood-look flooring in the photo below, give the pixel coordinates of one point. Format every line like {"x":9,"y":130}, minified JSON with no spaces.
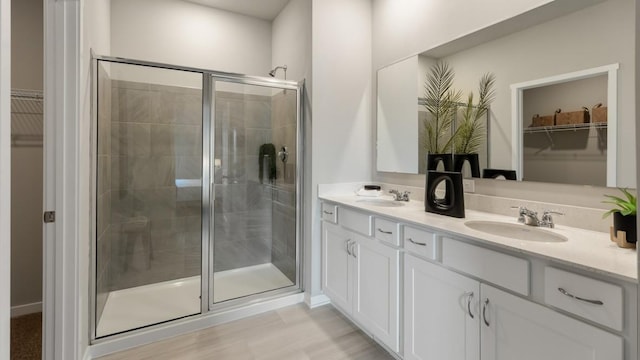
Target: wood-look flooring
{"x":291,"y":333}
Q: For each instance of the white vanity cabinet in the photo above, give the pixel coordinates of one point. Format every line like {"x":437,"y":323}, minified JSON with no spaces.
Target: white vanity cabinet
{"x":337,"y":265}
{"x":450,"y":316}
{"x":464,"y":300}
{"x":514,"y":328}
{"x":441,"y":319}
{"x":361,"y":277}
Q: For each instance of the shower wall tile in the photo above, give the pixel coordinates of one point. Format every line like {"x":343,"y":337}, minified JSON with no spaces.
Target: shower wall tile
{"x":283,"y":252}
{"x":176,"y":108}
{"x":133,"y":105}
{"x":230,"y":198}
{"x":141,"y":172}
{"x":176,"y":140}
{"x":259,"y":196}
{"x":188,"y":167}
{"x":257,"y":113}
{"x":130,"y":139}
{"x":252,"y":168}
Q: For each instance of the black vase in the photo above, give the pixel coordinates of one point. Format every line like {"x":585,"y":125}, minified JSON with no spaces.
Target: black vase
{"x":474,"y":163}
{"x":452,"y":203}
{"x":626,"y":224}
{"x":434,"y":159}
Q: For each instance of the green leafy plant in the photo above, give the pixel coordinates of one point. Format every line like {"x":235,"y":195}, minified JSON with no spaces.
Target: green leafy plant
{"x":626,"y":206}
{"x":441,"y":103}
{"x":471,"y":131}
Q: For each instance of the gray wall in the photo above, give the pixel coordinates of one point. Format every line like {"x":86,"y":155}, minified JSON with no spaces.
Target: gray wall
{"x":566,"y":157}
{"x":26,"y":163}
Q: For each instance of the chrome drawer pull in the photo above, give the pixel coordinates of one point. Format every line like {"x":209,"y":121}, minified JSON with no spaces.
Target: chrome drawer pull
{"x":484,"y":312}
{"x":566,"y":293}
{"x":327,"y":212}
{"x":385,"y":232}
{"x":469,"y":298}
{"x":418,"y":243}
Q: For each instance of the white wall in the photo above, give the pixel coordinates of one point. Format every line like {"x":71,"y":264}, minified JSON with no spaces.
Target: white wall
{"x":5,"y":178}
{"x":291,"y":40}
{"x":27,"y":44}
{"x":407,"y":27}
{"x":26,"y":166}
{"x":342,"y":127}
{"x":188,"y":34}
{"x":26,"y":226}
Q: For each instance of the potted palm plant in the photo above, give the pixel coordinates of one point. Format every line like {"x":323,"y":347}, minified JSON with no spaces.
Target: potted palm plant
{"x":471,"y":132}
{"x":441,"y":104}
{"x":624,"y":214}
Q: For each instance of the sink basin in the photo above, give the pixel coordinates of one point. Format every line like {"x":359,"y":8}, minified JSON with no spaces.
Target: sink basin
{"x":381,"y":202}
{"x":516,"y":231}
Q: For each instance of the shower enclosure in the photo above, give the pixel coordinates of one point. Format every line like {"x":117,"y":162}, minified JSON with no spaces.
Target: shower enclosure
{"x":197,"y":191}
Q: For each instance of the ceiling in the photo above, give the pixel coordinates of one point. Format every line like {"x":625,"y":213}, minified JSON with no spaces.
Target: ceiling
{"x":263,"y":9}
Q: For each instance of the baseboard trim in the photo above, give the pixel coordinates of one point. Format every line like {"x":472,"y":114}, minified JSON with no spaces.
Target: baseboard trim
{"x":180,"y":327}
{"x":26,"y":309}
{"x":318,"y":300}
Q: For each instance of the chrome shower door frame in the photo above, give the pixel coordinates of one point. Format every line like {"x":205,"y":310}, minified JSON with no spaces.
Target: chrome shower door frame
{"x":209,"y":78}
{"x":298,"y":87}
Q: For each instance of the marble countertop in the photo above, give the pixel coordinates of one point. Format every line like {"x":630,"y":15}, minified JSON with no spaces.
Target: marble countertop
{"x":589,"y":250}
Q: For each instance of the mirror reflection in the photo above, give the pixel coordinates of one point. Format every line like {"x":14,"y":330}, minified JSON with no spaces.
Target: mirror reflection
{"x":538,"y":70}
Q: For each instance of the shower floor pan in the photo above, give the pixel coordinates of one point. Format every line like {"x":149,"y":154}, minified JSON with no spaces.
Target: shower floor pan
{"x":141,"y":306}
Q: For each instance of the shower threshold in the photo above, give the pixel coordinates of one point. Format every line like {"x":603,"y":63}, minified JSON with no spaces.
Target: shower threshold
{"x":140,"y":306}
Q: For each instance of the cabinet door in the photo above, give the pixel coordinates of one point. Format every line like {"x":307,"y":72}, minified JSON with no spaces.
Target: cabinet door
{"x":514,"y":328}
{"x":376,"y":288}
{"x":337,"y":266}
{"x":441,"y":319}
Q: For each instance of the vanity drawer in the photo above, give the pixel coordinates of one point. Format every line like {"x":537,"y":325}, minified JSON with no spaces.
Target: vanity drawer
{"x":354,"y":220}
{"x":501,"y":269}
{"x":591,"y":299}
{"x":387,"y":231}
{"x":329,"y":212}
{"x":420,"y":242}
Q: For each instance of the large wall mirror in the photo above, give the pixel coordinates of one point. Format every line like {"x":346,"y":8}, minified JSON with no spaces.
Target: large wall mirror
{"x":563,"y":110}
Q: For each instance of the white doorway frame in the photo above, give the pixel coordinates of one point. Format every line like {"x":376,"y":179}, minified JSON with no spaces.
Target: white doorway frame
{"x":5,"y":178}
{"x":517,"y":91}
{"x":62,"y":337}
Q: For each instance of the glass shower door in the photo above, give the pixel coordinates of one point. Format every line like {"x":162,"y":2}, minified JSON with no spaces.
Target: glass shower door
{"x":254,"y":166}
{"x":148,"y":251}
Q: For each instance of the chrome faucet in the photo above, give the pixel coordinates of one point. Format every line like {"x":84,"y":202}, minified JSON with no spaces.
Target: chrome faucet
{"x":547,"y":219}
{"x":526,"y":216}
{"x":530,"y":217}
{"x":400,"y":196}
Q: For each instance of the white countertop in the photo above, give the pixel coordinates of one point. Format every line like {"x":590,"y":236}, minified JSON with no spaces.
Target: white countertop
{"x":588,"y":250}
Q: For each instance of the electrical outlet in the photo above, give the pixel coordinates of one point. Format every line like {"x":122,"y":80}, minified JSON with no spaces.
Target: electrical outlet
{"x":469,"y":185}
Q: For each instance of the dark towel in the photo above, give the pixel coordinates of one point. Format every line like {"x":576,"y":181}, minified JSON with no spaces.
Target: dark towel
{"x":270,"y":151}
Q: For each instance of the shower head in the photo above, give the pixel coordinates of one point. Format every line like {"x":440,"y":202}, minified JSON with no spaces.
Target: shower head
{"x":272,"y":73}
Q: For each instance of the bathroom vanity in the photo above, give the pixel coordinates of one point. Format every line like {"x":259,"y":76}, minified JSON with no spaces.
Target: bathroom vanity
{"x":433,"y":287}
